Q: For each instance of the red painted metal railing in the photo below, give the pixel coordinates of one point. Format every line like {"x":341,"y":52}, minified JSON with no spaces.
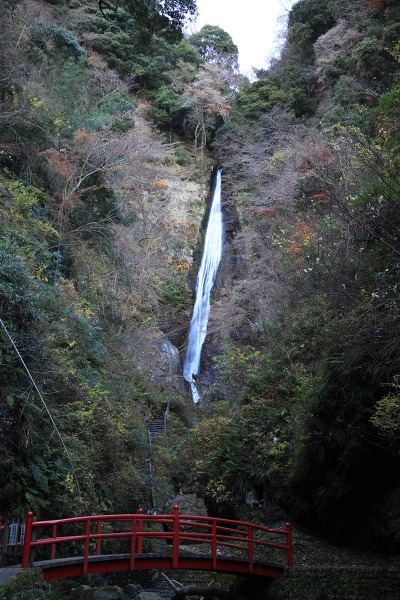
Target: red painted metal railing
{"x":219,"y":536}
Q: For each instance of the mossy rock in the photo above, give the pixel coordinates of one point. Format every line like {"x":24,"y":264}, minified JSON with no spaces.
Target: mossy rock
{"x":112,"y":592}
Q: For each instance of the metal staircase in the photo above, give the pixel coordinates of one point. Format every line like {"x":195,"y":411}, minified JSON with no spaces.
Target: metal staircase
{"x":157,"y":425}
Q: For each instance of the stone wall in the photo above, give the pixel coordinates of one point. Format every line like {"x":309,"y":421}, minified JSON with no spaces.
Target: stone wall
{"x":340,"y":583}
{"x":306,"y":583}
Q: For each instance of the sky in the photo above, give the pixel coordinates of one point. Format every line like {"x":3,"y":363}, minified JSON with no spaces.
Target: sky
{"x":252,"y":24}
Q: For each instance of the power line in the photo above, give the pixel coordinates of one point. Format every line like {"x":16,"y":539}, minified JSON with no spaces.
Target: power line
{"x":44,"y":404}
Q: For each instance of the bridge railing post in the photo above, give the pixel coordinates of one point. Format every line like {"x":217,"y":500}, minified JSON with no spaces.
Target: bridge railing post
{"x":251,"y":549}
{"x":214,"y":543}
{"x":27,"y":540}
{"x":133,"y":543}
{"x":98,"y":541}
{"x":140,"y":530}
{"x":289,"y":545}
{"x":86,"y":555}
{"x":175,"y":541}
{"x":53,"y":546}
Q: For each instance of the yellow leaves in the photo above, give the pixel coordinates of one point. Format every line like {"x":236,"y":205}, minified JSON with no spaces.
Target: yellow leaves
{"x":387,"y":411}
{"x":217,"y":490}
{"x":35,"y":102}
{"x":39,"y":273}
{"x":69,"y":484}
{"x":279,"y":238}
{"x":19,"y":100}
{"x":57,"y":125}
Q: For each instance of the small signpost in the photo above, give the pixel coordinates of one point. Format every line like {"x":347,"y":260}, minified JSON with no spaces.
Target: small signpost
{"x":11,"y":539}
{"x":22,"y":535}
{"x":13,"y":534}
{"x":249,"y":497}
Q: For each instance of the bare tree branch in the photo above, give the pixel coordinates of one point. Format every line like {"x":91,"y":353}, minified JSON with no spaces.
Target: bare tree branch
{"x":194,"y":589}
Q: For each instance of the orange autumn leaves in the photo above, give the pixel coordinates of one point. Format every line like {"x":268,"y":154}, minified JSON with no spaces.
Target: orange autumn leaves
{"x":300,"y":239}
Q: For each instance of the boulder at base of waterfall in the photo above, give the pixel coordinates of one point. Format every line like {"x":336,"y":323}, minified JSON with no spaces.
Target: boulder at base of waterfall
{"x":167,"y":368}
{"x":189,"y":504}
{"x":156,"y":357}
{"x":162,"y":363}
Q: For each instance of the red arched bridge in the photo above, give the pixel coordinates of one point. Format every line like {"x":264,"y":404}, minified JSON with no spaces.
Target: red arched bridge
{"x":94,"y":544}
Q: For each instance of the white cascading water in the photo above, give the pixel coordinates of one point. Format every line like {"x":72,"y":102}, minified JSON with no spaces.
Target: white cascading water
{"x":205,"y":280}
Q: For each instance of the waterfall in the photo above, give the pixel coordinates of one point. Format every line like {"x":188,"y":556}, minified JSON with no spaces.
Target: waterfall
{"x":205,"y":280}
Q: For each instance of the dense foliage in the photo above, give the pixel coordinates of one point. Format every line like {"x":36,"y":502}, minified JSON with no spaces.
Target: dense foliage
{"x":79,"y":276}
{"x":155,"y":17}
{"x":312,"y":149}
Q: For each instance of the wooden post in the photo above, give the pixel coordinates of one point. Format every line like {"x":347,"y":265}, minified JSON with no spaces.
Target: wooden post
{"x":289,"y":545}
{"x":175,"y":541}
{"x":27,"y":540}
{"x":140,"y":530}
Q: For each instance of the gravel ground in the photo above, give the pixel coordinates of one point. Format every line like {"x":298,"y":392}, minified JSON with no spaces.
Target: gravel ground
{"x":310,"y":550}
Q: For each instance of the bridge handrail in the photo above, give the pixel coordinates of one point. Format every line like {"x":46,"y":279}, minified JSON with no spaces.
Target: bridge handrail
{"x":216,"y":532}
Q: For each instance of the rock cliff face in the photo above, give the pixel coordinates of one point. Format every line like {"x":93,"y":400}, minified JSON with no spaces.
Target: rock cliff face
{"x":228,"y":269}
{"x":161,"y":249}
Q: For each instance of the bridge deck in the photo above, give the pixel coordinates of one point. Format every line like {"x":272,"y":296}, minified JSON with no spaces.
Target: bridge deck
{"x":73,"y":566}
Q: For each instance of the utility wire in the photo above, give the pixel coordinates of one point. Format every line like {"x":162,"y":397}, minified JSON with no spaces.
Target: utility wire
{"x":45,"y":406}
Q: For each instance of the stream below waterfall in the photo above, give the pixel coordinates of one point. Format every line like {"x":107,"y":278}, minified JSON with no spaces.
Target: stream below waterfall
{"x":212,"y":253}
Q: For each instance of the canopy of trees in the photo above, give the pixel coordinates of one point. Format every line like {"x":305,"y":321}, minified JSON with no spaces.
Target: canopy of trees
{"x":165,"y":19}
{"x":216,"y":46}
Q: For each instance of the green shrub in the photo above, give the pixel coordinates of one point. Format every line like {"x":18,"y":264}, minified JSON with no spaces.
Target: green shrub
{"x":65,"y":41}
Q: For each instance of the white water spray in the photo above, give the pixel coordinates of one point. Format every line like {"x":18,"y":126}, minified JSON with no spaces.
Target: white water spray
{"x":205,"y":280}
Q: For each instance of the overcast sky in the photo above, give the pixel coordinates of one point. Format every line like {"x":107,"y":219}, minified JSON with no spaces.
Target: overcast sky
{"x":253,"y":25}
